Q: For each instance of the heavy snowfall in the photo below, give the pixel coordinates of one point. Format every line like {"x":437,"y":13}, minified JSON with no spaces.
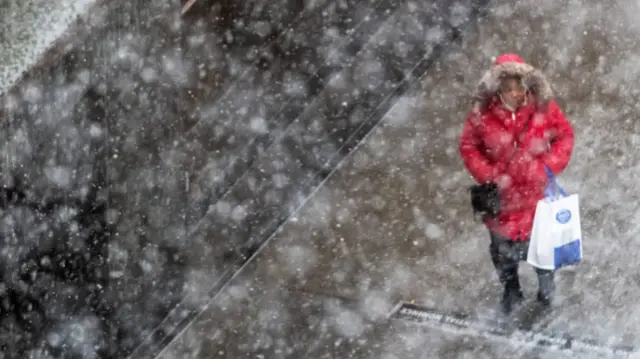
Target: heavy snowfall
{"x":266,"y":179}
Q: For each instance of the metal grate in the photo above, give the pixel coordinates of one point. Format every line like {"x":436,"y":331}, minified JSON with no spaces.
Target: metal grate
{"x":493,"y":329}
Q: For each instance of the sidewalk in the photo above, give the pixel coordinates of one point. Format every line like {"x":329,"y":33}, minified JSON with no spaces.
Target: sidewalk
{"x":393,"y":222}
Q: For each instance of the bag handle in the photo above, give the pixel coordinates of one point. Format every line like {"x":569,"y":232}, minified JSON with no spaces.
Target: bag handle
{"x":553,"y":182}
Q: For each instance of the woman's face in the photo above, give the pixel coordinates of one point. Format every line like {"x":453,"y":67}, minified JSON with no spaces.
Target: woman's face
{"x":513,"y":92}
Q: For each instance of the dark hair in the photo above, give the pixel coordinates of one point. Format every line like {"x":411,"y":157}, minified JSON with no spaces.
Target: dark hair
{"x":515,"y":77}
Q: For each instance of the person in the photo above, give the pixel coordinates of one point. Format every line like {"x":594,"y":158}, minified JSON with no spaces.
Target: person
{"x":513,"y":131}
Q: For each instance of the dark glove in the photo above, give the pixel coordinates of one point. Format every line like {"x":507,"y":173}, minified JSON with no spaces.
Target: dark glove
{"x":485,"y":199}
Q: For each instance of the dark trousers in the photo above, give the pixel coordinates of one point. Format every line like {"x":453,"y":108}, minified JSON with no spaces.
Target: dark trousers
{"x":506,"y":255}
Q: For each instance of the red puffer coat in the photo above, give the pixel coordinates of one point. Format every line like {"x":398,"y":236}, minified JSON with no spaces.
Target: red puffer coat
{"x":496,"y":146}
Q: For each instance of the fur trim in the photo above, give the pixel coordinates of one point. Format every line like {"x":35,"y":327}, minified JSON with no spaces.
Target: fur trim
{"x":532,"y":78}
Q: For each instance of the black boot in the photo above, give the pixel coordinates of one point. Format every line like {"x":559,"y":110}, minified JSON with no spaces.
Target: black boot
{"x":505,"y":255}
{"x":511,"y":297}
{"x":544,"y":299}
{"x":546,"y":286}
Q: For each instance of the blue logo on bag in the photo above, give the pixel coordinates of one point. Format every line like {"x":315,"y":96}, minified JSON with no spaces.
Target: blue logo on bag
{"x":563,"y":216}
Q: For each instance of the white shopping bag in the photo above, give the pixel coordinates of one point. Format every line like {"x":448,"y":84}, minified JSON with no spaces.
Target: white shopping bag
{"x":556,"y":237}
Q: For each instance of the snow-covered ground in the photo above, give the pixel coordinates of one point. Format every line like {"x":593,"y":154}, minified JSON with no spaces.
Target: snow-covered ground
{"x":29,"y":28}
{"x":393,"y":223}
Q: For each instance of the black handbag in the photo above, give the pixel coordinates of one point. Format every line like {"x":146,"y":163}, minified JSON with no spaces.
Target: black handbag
{"x":485,"y":199}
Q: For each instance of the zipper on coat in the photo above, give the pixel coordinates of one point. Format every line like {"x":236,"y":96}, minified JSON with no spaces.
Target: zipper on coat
{"x":513,"y":120}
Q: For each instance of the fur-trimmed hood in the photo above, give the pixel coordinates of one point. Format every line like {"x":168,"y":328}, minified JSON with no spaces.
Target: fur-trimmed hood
{"x":512,"y":64}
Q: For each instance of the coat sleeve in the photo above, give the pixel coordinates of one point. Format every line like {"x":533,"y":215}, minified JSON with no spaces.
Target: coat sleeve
{"x":561,"y":145}
{"x":474,"y":159}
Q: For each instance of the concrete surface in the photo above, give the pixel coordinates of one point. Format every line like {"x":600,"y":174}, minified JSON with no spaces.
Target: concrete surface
{"x":279,"y":180}
{"x":393,"y":222}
